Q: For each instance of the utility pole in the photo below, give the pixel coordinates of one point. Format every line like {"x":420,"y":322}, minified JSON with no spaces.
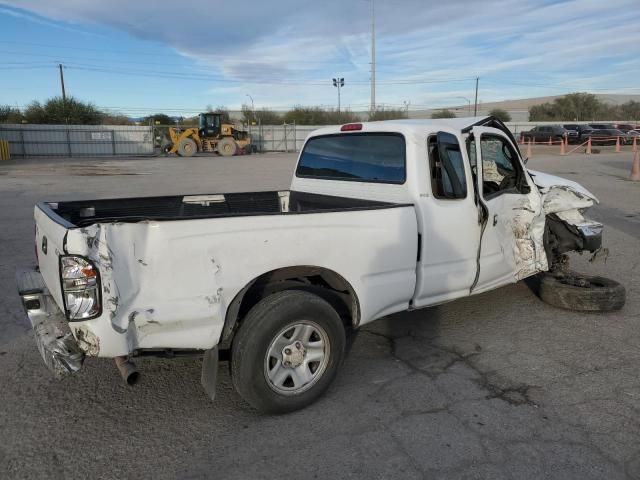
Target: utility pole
{"x":406,"y":106}
{"x":64,"y":95}
{"x":475,"y":106}
{"x":373,"y":56}
{"x":338,"y":82}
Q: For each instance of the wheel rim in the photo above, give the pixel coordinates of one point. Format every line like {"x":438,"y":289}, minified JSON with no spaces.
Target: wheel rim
{"x":297,"y":358}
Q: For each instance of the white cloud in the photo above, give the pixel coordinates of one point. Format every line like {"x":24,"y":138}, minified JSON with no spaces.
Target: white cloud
{"x":278,"y":48}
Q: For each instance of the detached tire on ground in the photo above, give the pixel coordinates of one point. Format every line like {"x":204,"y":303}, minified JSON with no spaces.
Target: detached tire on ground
{"x":287,"y":351}
{"x":187,"y":147}
{"x":584,"y":293}
{"x":227,"y":147}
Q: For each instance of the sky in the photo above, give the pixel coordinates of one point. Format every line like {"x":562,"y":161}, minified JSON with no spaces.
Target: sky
{"x":145,"y":56}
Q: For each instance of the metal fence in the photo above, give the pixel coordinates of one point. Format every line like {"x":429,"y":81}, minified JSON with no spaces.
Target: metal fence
{"x":77,"y":140}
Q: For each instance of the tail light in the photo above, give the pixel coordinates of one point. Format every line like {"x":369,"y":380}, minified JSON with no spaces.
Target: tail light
{"x":80,"y":288}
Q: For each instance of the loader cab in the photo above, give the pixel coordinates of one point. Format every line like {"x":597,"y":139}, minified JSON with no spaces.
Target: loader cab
{"x":209,"y":124}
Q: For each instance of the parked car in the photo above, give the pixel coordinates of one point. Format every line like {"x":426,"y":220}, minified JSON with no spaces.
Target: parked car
{"x":279,"y":280}
{"x":544,"y":133}
{"x":624,"y":127}
{"x":608,"y":136}
{"x":583,"y":130}
{"x":601,"y":126}
{"x":573,"y":135}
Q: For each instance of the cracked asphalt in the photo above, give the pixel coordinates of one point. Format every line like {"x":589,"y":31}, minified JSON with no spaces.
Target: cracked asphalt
{"x":496,"y":386}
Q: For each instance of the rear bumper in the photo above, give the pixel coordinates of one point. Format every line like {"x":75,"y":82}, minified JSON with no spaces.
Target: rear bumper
{"x":57,"y":345}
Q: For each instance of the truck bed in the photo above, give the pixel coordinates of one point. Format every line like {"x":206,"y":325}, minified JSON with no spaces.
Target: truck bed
{"x":86,"y":212}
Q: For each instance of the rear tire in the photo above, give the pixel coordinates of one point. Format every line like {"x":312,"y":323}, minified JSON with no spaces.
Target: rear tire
{"x":293,"y":321}
{"x":187,"y":147}
{"x":583,"y":293}
{"x":227,"y":147}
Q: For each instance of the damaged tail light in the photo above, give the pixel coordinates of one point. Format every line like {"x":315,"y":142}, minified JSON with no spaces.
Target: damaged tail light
{"x":80,"y":288}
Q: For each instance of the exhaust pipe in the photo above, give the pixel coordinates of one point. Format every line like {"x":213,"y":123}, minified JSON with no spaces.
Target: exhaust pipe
{"x":128,"y":370}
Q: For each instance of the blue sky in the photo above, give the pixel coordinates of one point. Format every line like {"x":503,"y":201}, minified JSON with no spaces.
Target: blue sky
{"x":146,"y":56}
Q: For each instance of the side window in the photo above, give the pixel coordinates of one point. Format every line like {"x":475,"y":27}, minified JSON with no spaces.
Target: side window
{"x":448,"y":180}
{"x":499,"y":165}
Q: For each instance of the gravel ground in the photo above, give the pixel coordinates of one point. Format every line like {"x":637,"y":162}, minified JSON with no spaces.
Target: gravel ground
{"x":495,"y":386}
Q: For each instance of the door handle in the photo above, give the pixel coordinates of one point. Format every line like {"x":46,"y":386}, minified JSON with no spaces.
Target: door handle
{"x":495,"y":219}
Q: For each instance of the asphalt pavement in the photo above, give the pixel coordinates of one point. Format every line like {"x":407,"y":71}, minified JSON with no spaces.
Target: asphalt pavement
{"x":496,"y":386}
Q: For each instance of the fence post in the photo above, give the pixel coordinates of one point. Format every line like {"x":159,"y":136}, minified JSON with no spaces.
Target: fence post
{"x":24,"y":150}
{"x":286,"y":145}
{"x":69,"y":142}
{"x":295,"y":138}
{"x":113,"y":141}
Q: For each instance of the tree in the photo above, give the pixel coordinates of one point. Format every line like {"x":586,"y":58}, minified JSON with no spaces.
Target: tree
{"x":226,"y":117}
{"x":572,"y":107}
{"x":445,"y":113}
{"x":382,"y":113}
{"x":264,"y":116}
{"x":117,"y":119}
{"x":9,"y":114}
{"x":500,"y":114}
{"x":59,"y":111}
{"x":629,"y":110}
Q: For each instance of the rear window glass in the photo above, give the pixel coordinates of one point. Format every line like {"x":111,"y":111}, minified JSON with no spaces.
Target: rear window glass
{"x":357,"y":157}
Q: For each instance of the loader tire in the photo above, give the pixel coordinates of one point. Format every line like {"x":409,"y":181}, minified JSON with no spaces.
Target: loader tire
{"x":579,"y":292}
{"x":227,"y":147}
{"x":187,"y":147}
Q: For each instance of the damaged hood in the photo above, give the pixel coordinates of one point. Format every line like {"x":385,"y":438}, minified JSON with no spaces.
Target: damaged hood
{"x":563,"y":197}
{"x":546,"y":182}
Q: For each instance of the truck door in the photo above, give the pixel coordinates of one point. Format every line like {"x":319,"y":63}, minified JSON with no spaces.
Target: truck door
{"x":449,"y":221}
{"x":512,"y":219}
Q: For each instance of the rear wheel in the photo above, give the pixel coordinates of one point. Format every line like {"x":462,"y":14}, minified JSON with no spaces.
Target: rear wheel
{"x":576,"y":291}
{"x":227,"y":147}
{"x":287,"y":351}
{"x":187,"y":147}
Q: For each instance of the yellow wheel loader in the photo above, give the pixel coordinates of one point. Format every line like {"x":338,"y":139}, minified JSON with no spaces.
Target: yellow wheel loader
{"x":212,"y":135}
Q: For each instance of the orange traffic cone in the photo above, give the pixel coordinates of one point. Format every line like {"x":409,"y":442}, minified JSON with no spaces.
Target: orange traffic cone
{"x":529,"y":154}
{"x":617,"y":144}
{"x":588,"y":151}
{"x":562,"y":150}
{"x":550,"y":142}
{"x":635,"y":168}
{"x":635,"y":145}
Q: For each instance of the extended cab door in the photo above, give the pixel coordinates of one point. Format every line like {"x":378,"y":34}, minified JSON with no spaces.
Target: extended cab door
{"x":449,"y":222}
{"x":512,"y":216}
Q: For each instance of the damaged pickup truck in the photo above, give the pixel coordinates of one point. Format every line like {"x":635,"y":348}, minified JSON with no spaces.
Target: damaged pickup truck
{"x":380,"y":217}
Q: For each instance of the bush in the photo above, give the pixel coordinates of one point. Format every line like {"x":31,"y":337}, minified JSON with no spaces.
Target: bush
{"x":9,"y":114}
{"x":382,"y":113}
{"x":59,"y":111}
{"x":443,"y":114}
{"x":500,"y":114}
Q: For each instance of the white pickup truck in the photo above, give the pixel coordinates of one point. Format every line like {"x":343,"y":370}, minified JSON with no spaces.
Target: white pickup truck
{"x":380,"y":217}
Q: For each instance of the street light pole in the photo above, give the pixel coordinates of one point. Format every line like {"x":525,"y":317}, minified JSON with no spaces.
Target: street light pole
{"x":253,"y":111}
{"x":468,"y":104}
{"x":339,"y":83}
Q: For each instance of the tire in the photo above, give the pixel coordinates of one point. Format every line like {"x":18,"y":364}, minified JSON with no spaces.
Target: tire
{"x":277,"y":325}
{"x":227,"y":147}
{"x":583,"y":293}
{"x":187,"y":147}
